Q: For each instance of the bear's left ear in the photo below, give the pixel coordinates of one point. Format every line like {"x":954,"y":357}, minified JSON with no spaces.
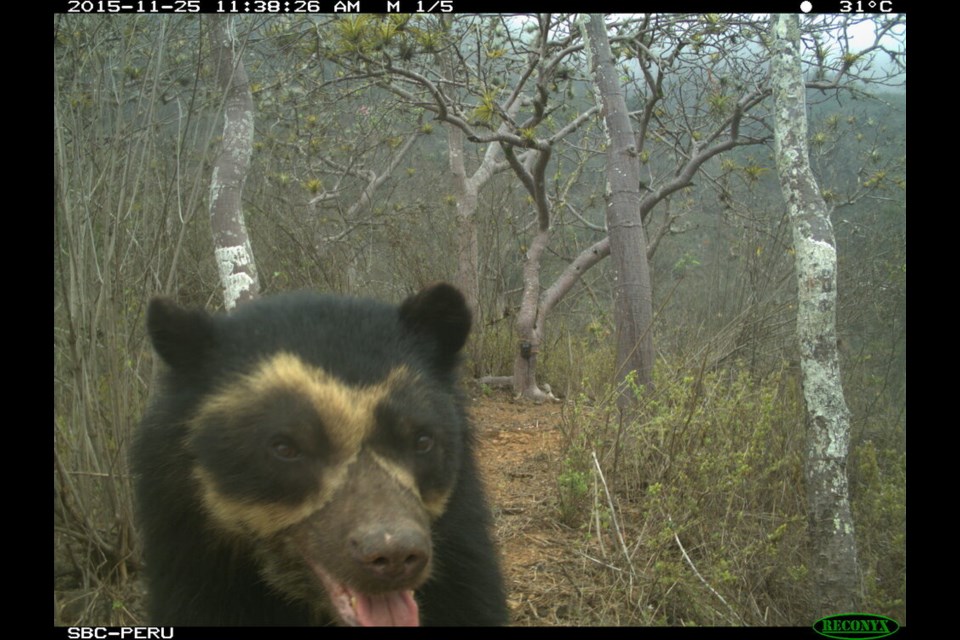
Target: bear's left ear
{"x":184,"y":338}
{"x":440,"y":312}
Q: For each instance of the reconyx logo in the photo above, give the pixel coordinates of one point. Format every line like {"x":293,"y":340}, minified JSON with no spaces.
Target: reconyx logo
{"x":863,"y":626}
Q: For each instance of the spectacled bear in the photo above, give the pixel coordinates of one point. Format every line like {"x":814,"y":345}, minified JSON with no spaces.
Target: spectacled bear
{"x":308,"y":461}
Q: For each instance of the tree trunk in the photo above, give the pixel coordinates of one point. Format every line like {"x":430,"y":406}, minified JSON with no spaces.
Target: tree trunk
{"x":238,"y":270}
{"x":633,"y":295}
{"x":530,"y":321}
{"x":834,"y":562}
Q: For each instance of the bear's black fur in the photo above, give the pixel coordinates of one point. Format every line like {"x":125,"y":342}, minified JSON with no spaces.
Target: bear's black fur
{"x":308,"y":460}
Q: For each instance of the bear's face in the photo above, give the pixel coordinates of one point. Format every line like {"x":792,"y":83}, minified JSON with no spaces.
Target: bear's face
{"x":323,"y":438}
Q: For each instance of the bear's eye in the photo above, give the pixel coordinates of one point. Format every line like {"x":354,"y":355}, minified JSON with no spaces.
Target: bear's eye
{"x":285,"y":449}
{"x":424,"y":444}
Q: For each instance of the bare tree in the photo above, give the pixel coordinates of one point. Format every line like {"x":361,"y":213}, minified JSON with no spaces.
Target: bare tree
{"x":828,"y":437}
{"x":509,"y":121}
{"x":502,"y":96}
{"x":234,"y":255}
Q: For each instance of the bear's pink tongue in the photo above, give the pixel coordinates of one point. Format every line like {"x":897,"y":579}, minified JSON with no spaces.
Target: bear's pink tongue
{"x":394,"y":609}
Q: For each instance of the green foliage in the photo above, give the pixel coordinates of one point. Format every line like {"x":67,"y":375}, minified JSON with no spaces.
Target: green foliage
{"x":498,"y":347}
{"x":878,"y":486}
{"x":753,"y":171}
{"x":708,"y":473}
{"x":351,"y":30}
{"x":714,"y":23}
{"x":574,"y":361}
{"x":430,"y":41}
{"x":486,"y":109}
{"x":711,"y":466}
{"x":579,"y":361}
{"x":574,"y":495}
{"x":313,"y":185}
{"x":876,"y":180}
{"x":719,"y":104}
{"x":366,"y":34}
{"x":687,"y":261}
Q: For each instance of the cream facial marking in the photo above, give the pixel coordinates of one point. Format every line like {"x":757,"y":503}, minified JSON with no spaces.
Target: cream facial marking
{"x":346,"y":414}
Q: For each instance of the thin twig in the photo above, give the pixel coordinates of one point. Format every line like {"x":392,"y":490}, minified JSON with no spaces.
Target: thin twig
{"x":738,"y":619}
{"x":596,"y":515}
{"x":613,"y":512}
{"x":601,"y":562}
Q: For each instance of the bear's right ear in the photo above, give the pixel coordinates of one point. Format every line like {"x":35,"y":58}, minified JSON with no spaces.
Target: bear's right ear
{"x":182,"y":337}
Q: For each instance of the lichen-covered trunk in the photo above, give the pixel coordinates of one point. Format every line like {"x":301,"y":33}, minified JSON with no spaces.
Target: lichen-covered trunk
{"x":834,"y":562}
{"x":633,"y":295}
{"x":231,"y":243}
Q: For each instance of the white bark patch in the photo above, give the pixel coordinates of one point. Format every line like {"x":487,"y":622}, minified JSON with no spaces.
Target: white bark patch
{"x":215,"y":188}
{"x":233,"y":263}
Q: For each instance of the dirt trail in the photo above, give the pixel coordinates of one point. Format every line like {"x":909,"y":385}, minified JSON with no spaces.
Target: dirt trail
{"x":519,"y":455}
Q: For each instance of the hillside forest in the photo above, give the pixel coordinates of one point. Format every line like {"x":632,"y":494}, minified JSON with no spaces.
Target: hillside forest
{"x":611,"y":194}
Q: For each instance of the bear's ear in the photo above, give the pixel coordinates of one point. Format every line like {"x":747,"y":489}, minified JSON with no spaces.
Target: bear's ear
{"x":440,"y":312}
{"x":182,"y":337}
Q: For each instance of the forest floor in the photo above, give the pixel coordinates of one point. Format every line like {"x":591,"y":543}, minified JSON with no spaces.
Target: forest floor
{"x":519,"y":453}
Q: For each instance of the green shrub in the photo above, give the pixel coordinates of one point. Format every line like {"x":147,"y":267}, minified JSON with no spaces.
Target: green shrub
{"x":706,"y":523}
{"x":878,"y":481}
{"x":706,"y":517}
